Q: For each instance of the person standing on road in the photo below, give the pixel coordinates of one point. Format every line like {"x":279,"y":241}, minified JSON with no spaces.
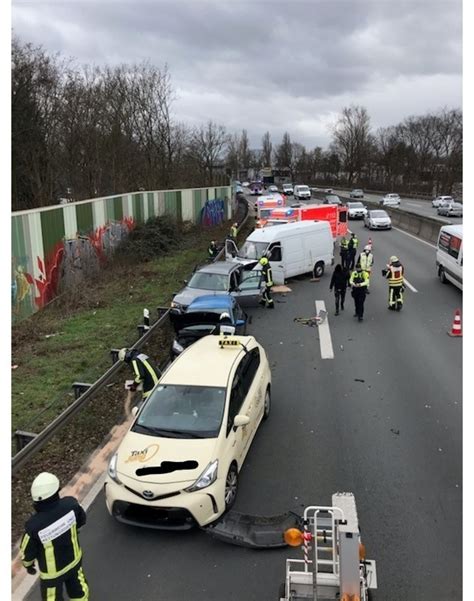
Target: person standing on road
{"x":395,"y":274}
{"x":359,"y":283}
{"x":339,"y":281}
{"x":344,"y":252}
{"x":352,"y":252}
{"x":51,"y":539}
{"x":145,"y":372}
{"x":366,"y":261}
{"x":267,"y":299}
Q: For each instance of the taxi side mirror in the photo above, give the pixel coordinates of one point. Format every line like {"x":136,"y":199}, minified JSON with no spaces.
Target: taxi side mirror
{"x":241,"y":420}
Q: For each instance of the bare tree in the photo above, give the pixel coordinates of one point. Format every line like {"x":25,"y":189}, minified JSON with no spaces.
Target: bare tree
{"x":267,"y":148}
{"x":351,"y":139}
{"x":205,"y":148}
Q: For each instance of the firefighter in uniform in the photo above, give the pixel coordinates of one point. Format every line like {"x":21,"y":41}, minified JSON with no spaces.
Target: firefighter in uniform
{"x":344,"y":252}
{"x":267,"y":299}
{"x":212,"y":250}
{"x":145,"y":372}
{"x":352,"y":252}
{"x":394,"y":274}
{"x":234,"y":232}
{"x":359,"y":281}
{"x":51,"y":539}
{"x":366,"y":260}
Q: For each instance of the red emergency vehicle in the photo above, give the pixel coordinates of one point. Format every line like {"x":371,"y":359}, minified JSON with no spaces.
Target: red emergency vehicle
{"x":336,"y":216}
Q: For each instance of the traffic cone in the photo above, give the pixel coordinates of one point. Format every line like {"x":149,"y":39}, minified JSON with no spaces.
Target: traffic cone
{"x":456,"y":329}
{"x":369,"y":243}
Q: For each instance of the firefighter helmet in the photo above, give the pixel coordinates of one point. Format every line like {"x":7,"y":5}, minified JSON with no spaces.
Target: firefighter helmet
{"x":263,"y":261}
{"x":393,"y":259}
{"x":44,"y":486}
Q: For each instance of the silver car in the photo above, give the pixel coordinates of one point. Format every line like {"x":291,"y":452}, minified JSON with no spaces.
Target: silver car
{"x":223,"y":277}
{"x":441,"y":200}
{"x":377,"y":220}
{"x":451,"y":209}
{"x":357,"y":193}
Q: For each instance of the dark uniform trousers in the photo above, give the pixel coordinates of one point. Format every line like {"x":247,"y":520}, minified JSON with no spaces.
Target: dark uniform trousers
{"x":75,"y":583}
{"x":267,"y":293}
{"x":358,"y":295}
{"x":340,"y":296}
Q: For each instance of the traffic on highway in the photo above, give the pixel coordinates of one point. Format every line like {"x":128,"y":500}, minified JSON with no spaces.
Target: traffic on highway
{"x":300,"y":403}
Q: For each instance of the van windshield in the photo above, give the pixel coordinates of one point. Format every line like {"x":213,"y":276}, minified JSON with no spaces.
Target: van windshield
{"x":252,"y":250}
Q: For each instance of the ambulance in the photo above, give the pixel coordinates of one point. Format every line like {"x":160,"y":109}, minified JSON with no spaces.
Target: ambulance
{"x":264,"y":206}
{"x":336,"y":216}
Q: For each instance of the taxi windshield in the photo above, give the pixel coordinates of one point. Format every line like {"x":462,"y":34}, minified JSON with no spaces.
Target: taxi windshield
{"x":252,"y":250}
{"x":180,"y":411}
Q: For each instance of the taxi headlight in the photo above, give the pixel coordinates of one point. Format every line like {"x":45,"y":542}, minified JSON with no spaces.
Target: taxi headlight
{"x":207,"y":478}
{"x":112,"y":469}
{"x":177,"y":347}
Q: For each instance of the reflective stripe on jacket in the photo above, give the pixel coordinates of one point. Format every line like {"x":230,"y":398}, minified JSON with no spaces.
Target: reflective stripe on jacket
{"x":267,"y":275}
{"x":145,"y":372}
{"x":395,"y":275}
{"x":344,"y":244}
{"x":366,"y":261}
{"x":51,"y":537}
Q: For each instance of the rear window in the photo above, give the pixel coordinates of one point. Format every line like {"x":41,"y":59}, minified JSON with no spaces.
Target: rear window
{"x":450,"y":244}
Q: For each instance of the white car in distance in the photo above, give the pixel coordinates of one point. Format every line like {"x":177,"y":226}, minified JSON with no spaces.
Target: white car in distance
{"x":377,"y":220}
{"x":391,"y":200}
{"x":356,"y":210}
{"x":439,"y":201}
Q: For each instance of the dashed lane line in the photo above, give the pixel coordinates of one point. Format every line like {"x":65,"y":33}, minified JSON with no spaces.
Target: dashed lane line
{"x":325,"y":341}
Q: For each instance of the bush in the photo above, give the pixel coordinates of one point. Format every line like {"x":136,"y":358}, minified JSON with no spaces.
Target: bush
{"x":158,"y":236}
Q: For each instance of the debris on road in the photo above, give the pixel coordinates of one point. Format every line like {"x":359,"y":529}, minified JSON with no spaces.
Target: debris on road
{"x":358,"y":380}
{"x":397,"y":432}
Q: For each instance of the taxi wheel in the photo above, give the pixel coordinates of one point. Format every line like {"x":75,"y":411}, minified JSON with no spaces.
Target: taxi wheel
{"x":267,"y":404}
{"x":231,"y":484}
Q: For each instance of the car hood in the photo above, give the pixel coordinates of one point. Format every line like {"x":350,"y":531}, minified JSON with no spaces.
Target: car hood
{"x":183,"y":458}
{"x":184,"y":320}
{"x":187,"y":295}
{"x":380,"y":219}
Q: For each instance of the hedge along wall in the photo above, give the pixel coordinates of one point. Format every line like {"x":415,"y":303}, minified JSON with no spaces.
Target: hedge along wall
{"x":54,"y":248}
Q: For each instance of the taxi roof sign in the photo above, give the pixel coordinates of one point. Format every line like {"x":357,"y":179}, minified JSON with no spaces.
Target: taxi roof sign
{"x":226,"y":341}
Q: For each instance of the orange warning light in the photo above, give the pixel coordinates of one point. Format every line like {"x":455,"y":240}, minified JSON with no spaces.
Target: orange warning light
{"x":362,"y":555}
{"x":293,"y":537}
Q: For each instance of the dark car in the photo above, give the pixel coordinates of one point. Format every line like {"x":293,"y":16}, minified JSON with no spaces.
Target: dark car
{"x":221,"y":278}
{"x":202,"y":318}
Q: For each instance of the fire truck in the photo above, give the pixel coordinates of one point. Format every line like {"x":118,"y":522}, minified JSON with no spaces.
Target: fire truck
{"x":334,"y":214}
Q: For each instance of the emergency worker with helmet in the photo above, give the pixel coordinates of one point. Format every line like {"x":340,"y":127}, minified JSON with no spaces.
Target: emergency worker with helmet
{"x":144,"y":371}
{"x":267,"y":299}
{"x":51,"y":539}
{"x":394,"y":274}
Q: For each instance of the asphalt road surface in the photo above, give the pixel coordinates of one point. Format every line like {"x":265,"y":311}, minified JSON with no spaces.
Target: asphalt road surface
{"x":382,"y":419}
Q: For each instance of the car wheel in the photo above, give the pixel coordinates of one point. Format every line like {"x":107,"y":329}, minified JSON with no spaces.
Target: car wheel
{"x":231,"y":484}
{"x":442,"y":276}
{"x":318,"y":270}
{"x":282,"y":591}
{"x":267,"y":404}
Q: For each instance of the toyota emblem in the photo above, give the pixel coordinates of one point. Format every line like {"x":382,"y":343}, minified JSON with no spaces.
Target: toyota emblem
{"x":148,"y":494}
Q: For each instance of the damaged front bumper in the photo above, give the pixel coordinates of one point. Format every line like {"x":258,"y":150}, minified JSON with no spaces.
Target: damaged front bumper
{"x":257,"y":532}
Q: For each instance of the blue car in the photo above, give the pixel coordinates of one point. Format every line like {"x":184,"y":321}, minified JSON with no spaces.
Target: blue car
{"x":202,"y":318}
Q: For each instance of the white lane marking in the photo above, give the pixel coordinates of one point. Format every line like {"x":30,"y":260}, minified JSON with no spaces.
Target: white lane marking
{"x":413,"y":204}
{"x":414,"y":237}
{"x":407,"y":283}
{"x":325,"y":341}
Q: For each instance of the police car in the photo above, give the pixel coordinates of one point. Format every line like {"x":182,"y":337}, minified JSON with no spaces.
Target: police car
{"x":178,"y":464}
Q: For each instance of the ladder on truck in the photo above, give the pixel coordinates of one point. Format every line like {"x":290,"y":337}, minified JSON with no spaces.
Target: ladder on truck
{"x":334,"y":565}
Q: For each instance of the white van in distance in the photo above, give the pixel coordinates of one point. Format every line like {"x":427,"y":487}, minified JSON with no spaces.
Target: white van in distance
{"x":449,"y":255}
{"x":292,"y":249}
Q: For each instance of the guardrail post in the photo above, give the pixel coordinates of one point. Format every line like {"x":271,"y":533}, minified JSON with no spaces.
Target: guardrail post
{"x":79,"y":388}
{"x":114,"y":354}
{"x":162,"y":310}
{"x":142,"y":329}
{"x":22,"y":438}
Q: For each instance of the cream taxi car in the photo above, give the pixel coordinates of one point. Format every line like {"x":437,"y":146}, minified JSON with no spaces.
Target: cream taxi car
{"x":178,"y":464}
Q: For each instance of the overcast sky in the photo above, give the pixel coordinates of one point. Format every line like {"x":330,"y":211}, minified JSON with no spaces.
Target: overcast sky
{"x":277,"y":66}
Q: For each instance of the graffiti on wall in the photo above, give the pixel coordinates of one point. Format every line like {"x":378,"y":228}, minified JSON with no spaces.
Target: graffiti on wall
{"x":212,"y":213}
{"x":68,"y":265}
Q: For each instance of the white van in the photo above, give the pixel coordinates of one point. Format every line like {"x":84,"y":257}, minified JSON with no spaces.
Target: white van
{"x":292,"y":249}
{"x":449,"y":255}
{"x":302,"y":192}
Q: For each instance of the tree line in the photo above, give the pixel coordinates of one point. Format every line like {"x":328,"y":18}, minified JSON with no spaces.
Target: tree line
{"x":94,"y":131}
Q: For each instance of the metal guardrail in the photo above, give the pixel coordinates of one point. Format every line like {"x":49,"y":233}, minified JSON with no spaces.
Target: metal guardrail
{"x":35,"y":443}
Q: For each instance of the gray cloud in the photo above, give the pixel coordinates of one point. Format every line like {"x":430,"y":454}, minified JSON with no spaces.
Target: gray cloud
{"x":271,"y":65}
